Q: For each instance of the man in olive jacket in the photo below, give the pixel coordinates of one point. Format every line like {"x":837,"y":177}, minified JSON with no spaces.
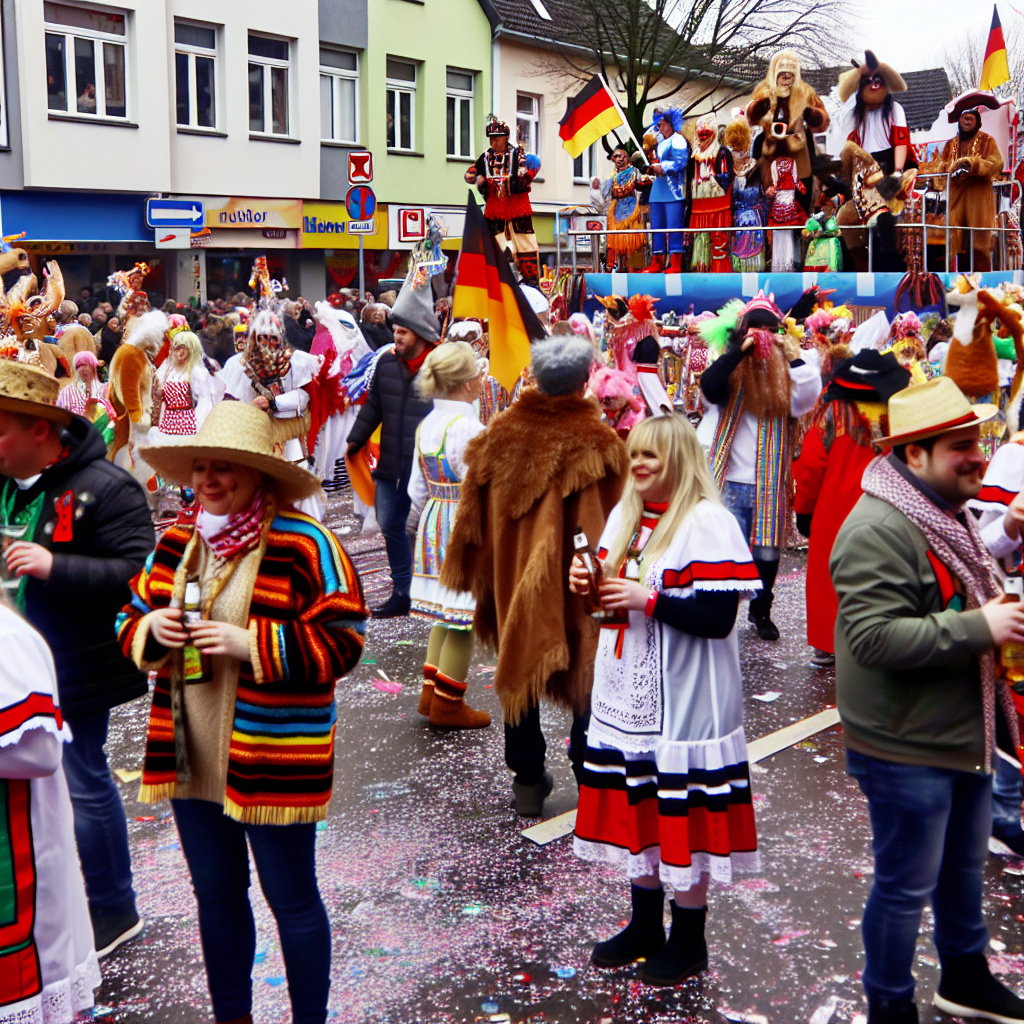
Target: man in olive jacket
{"x":920,"y":614}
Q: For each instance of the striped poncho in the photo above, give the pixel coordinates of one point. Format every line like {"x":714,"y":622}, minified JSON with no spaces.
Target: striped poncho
{"x":305,"y":620}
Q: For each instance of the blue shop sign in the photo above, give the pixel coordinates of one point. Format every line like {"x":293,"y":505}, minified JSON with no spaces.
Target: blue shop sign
{"x":75,"y":216}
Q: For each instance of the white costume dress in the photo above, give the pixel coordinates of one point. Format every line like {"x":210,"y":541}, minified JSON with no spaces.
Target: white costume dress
{"x":187,"y":401}
{"x":48,"y":967}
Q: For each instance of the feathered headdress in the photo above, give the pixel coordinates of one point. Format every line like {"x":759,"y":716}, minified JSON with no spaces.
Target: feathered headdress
{"x":717,"y":331}
{"x":673,"y":114}
{"x":121,"y":280}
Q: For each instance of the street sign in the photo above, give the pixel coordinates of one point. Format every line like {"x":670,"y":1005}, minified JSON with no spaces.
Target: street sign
{"x":362,"y":227}
{"x":360,"y":167}
{"x":360,"y":202}
{"x":172,"y":238}
{"x":174,"y":213}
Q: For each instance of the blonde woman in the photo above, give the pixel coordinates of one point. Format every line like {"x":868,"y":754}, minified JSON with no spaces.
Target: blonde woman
{"x":665,"y":790}
{"x":186,"y":390}
{"x":451,"y":376}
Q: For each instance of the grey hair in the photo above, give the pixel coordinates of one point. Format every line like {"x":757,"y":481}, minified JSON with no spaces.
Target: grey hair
{"x":561,"y":365}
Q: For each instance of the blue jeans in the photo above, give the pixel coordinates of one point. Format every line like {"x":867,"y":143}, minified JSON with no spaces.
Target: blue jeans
{"x":1006,"y":798}
{"x":392,"y":504}
{"x":218,"y":860}
{"x":740,"y":499}
{"x":667,"y":215}
{"x":930,"y":829}
{"x":101,"y":830}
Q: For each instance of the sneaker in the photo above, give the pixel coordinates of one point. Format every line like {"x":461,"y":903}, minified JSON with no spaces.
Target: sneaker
{"x":822,"y":659}
{"x":112,"y":931}
{"x":967,"y":989}
{"x":394,"y":607}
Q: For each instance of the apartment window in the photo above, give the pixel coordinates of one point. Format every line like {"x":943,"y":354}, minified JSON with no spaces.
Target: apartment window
{"x":528,"y":122}
{"x":401,"y":103}
{"x":583,"y":165}
{"x":85,"y":60}
{"x":195,"y":65}
{"x":460,"y":113}
{"x":339,"y":96}
{"x":268,"y":85}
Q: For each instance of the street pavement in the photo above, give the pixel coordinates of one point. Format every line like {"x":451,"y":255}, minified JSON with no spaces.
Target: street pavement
{"x":442,"y":912}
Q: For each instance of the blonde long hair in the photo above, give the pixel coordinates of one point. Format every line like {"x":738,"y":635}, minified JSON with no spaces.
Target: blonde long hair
{"x":183,"y":339}
{"x":674,"y":441}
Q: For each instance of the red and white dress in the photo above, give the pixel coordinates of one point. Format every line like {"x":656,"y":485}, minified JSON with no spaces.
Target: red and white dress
{"x":187,"y":401}
{"x":666,"y":786}
{"x":77,"y":393}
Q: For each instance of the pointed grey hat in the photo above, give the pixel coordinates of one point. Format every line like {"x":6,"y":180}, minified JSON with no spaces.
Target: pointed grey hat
{"x":414,"y":309}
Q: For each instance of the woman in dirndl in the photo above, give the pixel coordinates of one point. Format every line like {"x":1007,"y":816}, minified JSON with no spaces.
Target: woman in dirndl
{"x":451,"y":376}
{"x":665,"y":791}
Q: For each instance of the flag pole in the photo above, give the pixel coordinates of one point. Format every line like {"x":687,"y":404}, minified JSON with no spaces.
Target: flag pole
{"x":622,"y":114}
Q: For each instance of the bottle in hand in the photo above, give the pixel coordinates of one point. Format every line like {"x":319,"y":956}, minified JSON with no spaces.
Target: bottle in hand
{"x":1011,"y":655}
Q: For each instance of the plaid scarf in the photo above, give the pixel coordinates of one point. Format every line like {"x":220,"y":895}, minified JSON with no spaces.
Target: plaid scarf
{"x":960,"y":548}
{"x":239,"y":535}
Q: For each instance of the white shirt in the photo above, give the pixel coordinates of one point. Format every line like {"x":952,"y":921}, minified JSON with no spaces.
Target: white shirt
{"x":462,"y":424}
{"x":876,"y":138}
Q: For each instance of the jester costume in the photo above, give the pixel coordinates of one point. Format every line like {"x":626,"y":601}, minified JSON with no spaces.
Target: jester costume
{"x":711,"y":205}
{"x":623,"y":188}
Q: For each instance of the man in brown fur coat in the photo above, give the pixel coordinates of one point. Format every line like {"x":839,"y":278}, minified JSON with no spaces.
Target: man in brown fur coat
{"x":543,"y":467}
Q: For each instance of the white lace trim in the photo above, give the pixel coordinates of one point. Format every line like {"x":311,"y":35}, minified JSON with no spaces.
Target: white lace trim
{"x":60,"y":1000}
{"x":648,"y":862}
{"x":62,"y":733}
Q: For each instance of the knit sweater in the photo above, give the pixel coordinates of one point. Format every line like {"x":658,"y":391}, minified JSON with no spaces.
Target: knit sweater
{"x":305,"y":623}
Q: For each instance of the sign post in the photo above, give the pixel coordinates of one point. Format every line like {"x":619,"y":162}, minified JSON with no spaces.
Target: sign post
{"x":361,"y":205}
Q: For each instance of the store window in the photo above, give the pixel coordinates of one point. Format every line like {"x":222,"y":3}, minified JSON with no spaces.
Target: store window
{"x":528,"y":122}
{"x":268,"y":85}
{"x":401,"y":104}
{"x":460,"y":113}
{"x":195,"y":68}
{"x":339,"y":96}
{"x":85,"y":60}
{"x":583,"y":166}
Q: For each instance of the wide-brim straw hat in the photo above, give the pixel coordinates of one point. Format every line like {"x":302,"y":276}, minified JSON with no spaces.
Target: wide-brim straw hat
{"x":30,"y":391}
{"x":233,"y":432}
{"x":935,"y":407}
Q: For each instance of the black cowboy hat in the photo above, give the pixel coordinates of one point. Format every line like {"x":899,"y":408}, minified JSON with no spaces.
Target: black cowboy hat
{"x":870,"y":376}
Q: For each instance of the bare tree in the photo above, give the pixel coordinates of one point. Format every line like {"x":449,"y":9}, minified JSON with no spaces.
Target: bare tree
{"x":964,"y":61}
{"x":688,"y":51}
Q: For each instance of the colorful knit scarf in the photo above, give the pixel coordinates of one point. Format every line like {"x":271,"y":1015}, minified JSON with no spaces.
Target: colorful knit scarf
{"x":960,"y":548}
{"x":239,"y":535}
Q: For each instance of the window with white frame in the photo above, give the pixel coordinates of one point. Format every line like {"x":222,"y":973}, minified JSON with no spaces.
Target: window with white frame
{"x":268,"y":85}
{"x":460,"y":113}
{"x":583,"y":166}
{"x":528,"y":122}
{"x":339,"y":96}
{"x":85,"y":60}
{"x":195,"y":67}
{"x":401,"y":103}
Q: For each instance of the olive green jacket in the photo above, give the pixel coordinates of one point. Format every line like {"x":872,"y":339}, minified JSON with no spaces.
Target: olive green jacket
{"x":907,"y":675}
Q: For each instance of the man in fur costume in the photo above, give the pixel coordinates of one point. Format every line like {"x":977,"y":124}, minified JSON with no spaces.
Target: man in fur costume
{"x":512,"y":544}
{"x":789,"y":112}
{"x":669,"y":160}
{"x":973,"y":162}
{"x":503,"y":175}
{"x":751,"y":391}
{"x":131,"y":387}
{"x":711,"y":199}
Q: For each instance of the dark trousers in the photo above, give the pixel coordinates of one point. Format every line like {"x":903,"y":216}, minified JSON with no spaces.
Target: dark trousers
{"x":1007,"y":794}
{"x":929,"y":835}
{"x":392,"y":505}
{"x":218,"y":860}
{"x":101,"y":830}
{"x":525,"y":746}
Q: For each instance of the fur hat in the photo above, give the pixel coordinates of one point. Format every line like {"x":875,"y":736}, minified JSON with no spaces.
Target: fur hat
{"x":607,"y":382}
{"x":849,"y":81}
{"x":414,"y":310}
{"x":561,"y":365}
{"x":737,"y":135}
{"x":784,"y":60}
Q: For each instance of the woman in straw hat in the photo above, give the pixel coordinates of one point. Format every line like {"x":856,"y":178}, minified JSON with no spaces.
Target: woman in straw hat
{"x":257,"y":605}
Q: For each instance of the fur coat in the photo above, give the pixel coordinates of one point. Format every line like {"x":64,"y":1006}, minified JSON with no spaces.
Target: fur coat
{"x":972,"y":199}
{"x":542,"y":467}
{"x":806,"y":113}
{"x":131,"y":393}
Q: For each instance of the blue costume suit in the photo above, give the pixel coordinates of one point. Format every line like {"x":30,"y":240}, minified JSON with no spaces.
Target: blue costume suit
{"x":668,"y":193}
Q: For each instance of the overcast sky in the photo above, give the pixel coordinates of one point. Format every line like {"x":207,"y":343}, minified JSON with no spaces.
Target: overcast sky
{"x":912,"y":35}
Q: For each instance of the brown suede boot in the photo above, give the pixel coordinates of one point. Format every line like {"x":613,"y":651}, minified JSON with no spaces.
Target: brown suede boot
{"x":427,"y":695}
{"x":448,"y":709}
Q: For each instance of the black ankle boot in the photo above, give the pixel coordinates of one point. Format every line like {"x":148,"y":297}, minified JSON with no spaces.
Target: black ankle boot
{"x":892,"y":1011}
{"x":685,"y":954}
{"x":642,"y":937}
{"x":967,"y":989}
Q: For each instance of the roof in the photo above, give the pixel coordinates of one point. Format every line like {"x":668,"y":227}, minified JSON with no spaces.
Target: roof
{"x":927,"y":92}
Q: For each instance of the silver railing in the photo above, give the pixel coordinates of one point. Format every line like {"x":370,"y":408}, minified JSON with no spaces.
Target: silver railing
{"x":923,"y":226}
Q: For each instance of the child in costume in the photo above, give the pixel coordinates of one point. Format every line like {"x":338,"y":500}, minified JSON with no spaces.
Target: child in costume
{"x":711,"y":203}
{"x":668,"y":193}
{"x":748,"y":201}
{"x":451,"y":376}
{"x":665,"y":791}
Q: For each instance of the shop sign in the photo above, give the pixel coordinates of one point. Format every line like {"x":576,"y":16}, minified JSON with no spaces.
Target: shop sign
{"x":275,"y":233}
{"x":232,"y":212}
{"x":408,"y":225}
{"x":327,"y":225}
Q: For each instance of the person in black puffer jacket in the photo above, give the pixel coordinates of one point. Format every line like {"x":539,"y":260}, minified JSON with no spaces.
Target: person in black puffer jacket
{"x":88,"y":533}
{"x":393,"y":404}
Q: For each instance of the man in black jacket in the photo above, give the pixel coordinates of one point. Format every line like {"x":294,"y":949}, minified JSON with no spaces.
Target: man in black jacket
{"x":88,"y":532}
{"x":393,"y":404}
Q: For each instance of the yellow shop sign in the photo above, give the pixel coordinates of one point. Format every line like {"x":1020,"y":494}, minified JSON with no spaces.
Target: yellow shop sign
{"x":233,"y":212}
{"x":326,"y":226}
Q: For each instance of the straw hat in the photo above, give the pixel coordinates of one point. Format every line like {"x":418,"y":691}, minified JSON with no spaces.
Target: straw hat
{"x":935,"y":407}
{"x":235,"y":432}
{"x":31,"y":391}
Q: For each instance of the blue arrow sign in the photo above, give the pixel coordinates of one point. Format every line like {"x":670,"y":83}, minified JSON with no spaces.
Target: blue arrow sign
{"x":360,"y":202}
{"x":175,"y":213}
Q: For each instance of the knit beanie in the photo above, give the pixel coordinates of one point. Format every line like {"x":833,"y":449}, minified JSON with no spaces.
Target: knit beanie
{"x":414,"y":309}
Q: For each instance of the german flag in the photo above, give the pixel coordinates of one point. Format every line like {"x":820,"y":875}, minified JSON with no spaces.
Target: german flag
{"x":589,"y":115}
{"x":996,"y":69}
{"x":485,"y":287}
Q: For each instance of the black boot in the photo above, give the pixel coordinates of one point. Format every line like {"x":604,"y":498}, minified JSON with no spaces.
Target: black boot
{"x":760,"y":611}
{"x":642,"y":937}
{"x":528,"y":800}
{"x":967,"y":989}
{"x":394,"y":607}
{"x":892,"y":1011}
{"x":685,"y":954}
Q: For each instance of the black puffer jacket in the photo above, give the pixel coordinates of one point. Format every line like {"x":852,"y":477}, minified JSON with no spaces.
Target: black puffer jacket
{"x":392,"y":403}
{"x":75,"y":609}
